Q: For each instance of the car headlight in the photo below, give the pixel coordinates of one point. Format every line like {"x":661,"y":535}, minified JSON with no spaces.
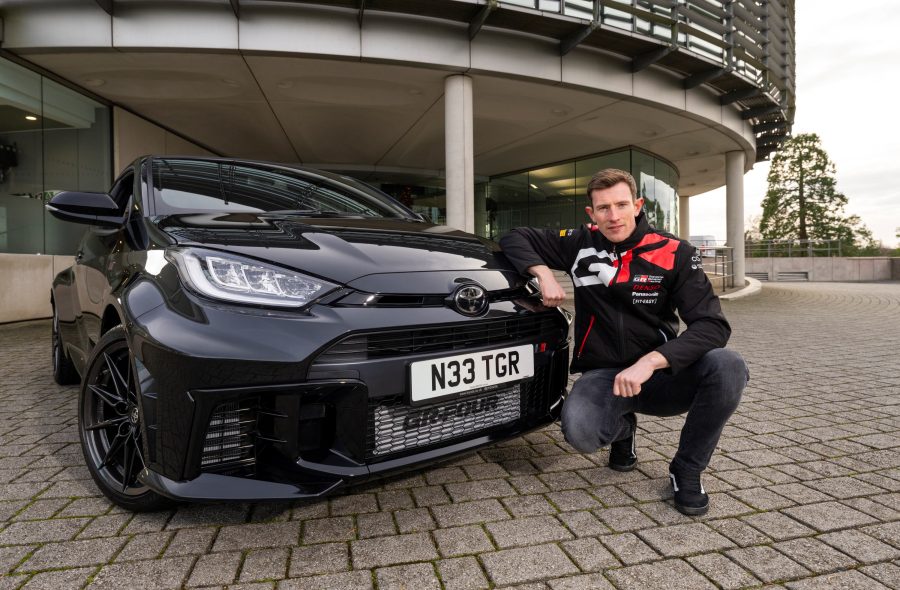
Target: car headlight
{"x":241,"y":280}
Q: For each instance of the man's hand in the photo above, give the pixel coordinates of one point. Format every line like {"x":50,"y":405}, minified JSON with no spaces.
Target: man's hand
{"x":628,"y":382}
{"x":552,"y":293}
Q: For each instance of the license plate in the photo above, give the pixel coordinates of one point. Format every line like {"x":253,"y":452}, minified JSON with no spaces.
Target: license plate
{"x":469,"y":372}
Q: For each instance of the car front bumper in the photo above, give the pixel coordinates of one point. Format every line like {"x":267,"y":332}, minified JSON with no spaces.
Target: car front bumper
{"x":242,"y":405}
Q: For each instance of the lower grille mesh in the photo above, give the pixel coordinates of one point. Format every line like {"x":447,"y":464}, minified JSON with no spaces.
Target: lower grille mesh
{"x":394,"y":426}
{"x":229,"y":442}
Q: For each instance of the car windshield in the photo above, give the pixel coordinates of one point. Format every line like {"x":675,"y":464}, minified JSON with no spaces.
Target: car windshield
{"x":192,"y":186}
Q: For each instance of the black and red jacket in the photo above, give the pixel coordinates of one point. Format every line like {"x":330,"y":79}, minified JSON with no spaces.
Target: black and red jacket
{"x":626,"y":294}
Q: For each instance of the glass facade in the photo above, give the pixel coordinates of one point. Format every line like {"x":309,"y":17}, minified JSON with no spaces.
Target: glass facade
{"x":555,"y":196}
{"x":51,"y":139}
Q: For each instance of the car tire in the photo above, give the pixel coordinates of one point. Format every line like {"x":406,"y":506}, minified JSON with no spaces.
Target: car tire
{"x":109,"y":425}
{"x":64,"y":372}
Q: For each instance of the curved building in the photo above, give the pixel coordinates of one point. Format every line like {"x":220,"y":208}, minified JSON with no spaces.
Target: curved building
{"x":483,"y":114}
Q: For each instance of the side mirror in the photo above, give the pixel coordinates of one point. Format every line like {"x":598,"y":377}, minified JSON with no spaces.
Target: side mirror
{"x":89,"y":208}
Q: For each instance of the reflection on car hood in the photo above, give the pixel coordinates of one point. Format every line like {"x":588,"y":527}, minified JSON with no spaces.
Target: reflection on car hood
{"x":340,"y":249}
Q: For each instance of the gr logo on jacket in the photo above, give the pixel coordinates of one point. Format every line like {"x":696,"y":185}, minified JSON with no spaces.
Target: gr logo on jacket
{"x":627,"y":294}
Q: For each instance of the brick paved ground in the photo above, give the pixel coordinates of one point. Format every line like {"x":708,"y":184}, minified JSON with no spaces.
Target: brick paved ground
{"x":805,"y":488}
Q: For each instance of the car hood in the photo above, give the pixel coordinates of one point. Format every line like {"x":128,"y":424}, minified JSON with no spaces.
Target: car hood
{"x":366,"y":253}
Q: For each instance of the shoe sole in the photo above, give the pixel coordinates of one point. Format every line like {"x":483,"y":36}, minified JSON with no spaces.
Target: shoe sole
{"x":623,"y":468}
{"x":691,"y":510}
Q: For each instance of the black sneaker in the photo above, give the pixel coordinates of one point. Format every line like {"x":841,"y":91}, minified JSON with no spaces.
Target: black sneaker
{"x":690,"y":497}
{"x":622,"y":456}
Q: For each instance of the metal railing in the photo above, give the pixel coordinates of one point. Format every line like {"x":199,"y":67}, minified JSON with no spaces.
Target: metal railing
{"x":792,"y":248}
{"x":718,"y":262}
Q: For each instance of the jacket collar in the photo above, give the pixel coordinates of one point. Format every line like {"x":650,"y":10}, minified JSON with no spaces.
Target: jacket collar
{"x":642,"y":227}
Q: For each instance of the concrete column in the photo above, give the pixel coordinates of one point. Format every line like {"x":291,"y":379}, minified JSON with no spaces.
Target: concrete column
{"x":458,"y":152}
{"x":734,"y":215}
{"x":684,"y":217}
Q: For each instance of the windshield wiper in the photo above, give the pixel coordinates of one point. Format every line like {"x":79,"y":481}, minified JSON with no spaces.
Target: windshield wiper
{"x":313,"y":213}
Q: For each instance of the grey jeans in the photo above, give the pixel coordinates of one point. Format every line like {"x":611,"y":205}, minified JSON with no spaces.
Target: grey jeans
{"x":709,"y":391}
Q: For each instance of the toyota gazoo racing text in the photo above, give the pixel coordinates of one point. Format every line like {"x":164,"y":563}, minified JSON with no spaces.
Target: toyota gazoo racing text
{"x":245,"y":330}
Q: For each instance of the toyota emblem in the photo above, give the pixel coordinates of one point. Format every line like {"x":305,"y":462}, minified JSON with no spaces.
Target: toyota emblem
{"x":470,"y":299}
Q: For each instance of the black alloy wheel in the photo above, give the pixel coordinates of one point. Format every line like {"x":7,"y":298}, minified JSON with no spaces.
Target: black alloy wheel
{"x":109,"y":424}
{"x":64,"y":372}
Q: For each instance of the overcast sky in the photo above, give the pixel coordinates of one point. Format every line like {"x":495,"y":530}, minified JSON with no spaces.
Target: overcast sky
{"x":848,"y":62}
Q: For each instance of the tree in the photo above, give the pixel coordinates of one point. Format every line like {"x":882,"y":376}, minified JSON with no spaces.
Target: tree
{"x":802,"y":201}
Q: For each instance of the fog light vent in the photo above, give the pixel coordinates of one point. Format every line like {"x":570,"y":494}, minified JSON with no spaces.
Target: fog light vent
{"x":229,"y":438}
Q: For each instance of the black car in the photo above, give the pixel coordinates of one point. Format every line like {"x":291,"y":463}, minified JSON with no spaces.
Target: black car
{"x":246,"y":330}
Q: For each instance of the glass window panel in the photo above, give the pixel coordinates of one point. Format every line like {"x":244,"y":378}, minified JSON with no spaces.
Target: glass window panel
{"x":552,"y":196}
{"x":585,"y":169}
{"x":21,"y":160}
{"x":76,"y":156}
{"x":508,"y":198}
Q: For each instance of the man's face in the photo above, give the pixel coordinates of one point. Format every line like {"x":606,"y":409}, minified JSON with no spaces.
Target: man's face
{"x":613,"y":211}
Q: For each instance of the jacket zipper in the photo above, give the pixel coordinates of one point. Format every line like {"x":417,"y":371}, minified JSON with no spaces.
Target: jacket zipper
{"x":584,"y":340}
{"x":620,"y":324}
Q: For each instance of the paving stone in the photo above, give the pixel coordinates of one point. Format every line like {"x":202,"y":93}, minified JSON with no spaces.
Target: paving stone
{"x":405,"y":577}
{"x":379,"y":524}
{"x":860,"y":546}
{"x":589,"y":554}
{"x":357,"y":580}
{"x":104,"y":526}
{"x":191,"y":542}
{"x":194,"y":515}
{"x":887,"y":532}
{"x":851,"y":580}
{"x":463,"y":540}
{"x":69,"y":579}
{"x":319,"y":559}
{"x":526,"y":564}
{"x":155,"y":574}
{"x":469,"y":513}
{"x":583,"y":524}
{"x":395,"y":500}
{"x":573,"y":500}
{"x":684,"y":539}
{"x":629,"y":548}
{"x":462,"y":573}
{"x":582,"y":582}
{"x":324,"y":530}
{"x":527,"y":531}
{"x":671,"y":574}
{"x":626,"y":518}
{"x":722,"y":571}
{"x":265,"y":564}
{"x":368,"y":553}
{"x":767,"y":564}
{"x":42,"y":531}
{"x":815,"y":555}
{"x":777,"y":525}
{"x":215,"y":568}
{"x":253,"y":536}
{"x":73,"y":554}
{"x":532,"y":505}
{"x":479,"y":490}
{"x":886,"y":573}
{"x":762,"y":499}
{"x":829,"y":516}
{"x":430,"y":496}
{"x":353,"y":504}
{"x":414,"y":521}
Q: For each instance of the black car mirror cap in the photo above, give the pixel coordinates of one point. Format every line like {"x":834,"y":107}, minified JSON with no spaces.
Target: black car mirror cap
{"x":89,"y":208}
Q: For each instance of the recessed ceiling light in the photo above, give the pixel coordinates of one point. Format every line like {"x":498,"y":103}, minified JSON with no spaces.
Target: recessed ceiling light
{"x":532,"y":185}
{"x":94,"y":82}
{"x":228,"y":82}
{"x":560,"y":112}
{"x":31,"y":117}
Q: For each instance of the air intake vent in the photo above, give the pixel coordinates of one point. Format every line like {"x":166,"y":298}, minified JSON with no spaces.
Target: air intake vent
{"x":461,"y":336}
{"x":228,"y":446}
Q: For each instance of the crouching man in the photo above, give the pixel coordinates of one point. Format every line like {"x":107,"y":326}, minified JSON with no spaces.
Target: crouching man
{"x":629,"y":280}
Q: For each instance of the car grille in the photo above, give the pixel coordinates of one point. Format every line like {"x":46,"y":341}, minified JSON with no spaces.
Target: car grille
{"x":394,"y":426}
{"x":228,"y":446}
{"x":460,"y":336}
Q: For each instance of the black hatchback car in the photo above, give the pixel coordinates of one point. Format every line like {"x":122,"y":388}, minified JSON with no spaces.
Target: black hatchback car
{"x":246,"y":330}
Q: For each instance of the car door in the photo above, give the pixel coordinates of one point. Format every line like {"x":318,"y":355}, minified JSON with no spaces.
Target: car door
{"x":98,"y":265}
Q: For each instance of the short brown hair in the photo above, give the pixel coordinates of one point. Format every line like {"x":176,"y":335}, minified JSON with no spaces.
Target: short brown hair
{"x":609,"y":177}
